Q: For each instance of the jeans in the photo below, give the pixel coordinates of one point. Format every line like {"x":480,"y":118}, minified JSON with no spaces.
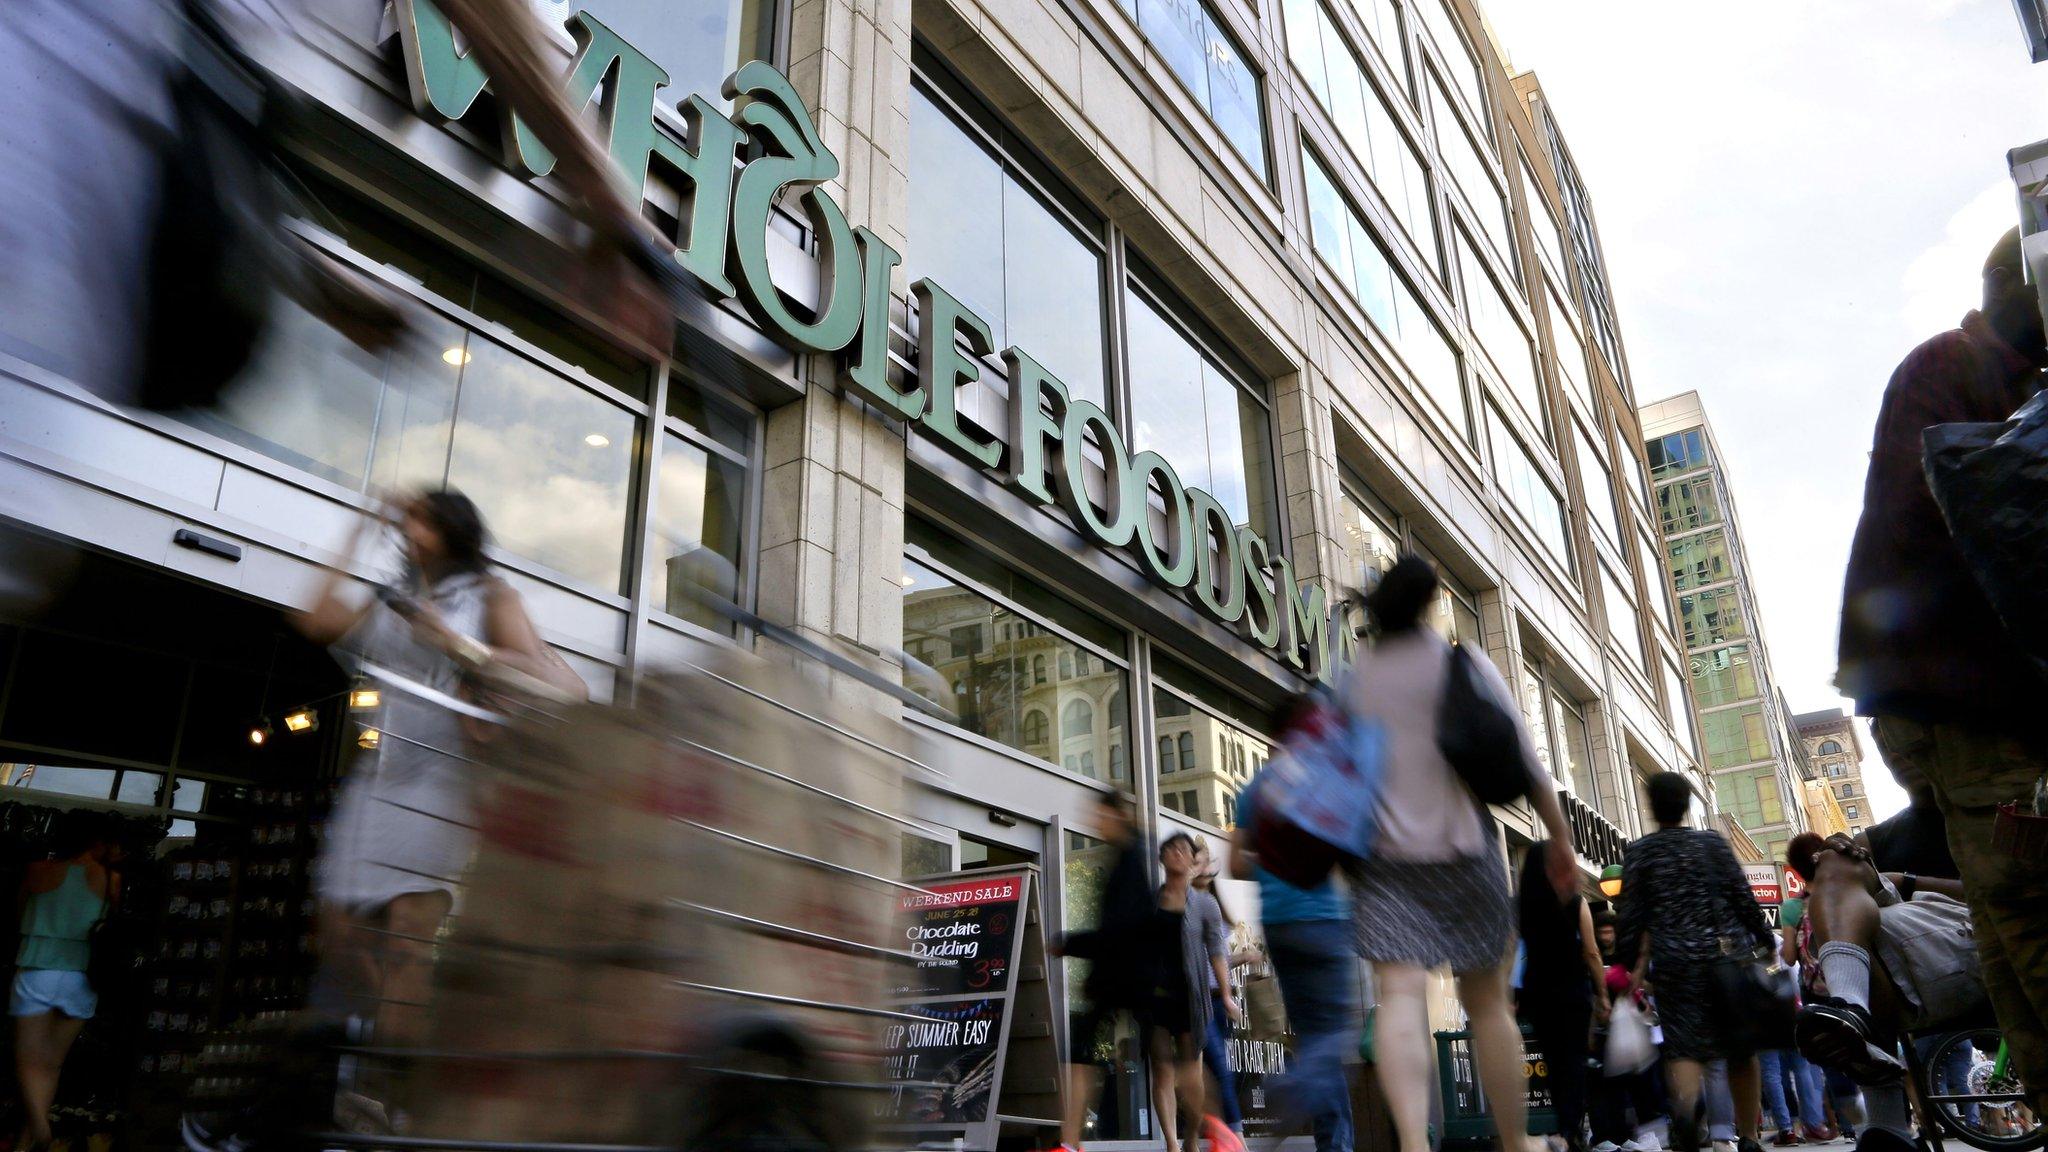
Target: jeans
{"x":1720,"y":1102}
{"x":1783,"y":1068}
{"x":1317,"y":964}
{"x":1952,"y":1076}
{"x":1216,"y":1054}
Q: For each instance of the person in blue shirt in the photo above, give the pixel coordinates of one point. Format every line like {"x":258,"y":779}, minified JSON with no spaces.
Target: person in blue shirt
{"x":1315,"y":957}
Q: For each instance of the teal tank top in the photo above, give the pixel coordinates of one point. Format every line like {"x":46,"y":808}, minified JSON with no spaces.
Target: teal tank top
{"x":56,"y":924}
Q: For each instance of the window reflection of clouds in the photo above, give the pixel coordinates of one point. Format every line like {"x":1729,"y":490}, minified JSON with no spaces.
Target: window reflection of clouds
{"x":1190,"y":411}
{"x":527,"y":449}
{"x":697,"y":517}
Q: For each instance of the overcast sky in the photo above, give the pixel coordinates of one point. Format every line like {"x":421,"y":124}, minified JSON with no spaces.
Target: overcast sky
{"x":1791,"y":195}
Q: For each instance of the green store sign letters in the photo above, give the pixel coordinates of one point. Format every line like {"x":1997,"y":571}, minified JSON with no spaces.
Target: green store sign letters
{"x":1194,"y":548}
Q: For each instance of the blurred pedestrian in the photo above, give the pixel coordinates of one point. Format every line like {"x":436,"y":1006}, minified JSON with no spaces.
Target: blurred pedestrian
{"x":1119,"y":980}
{"x":1434,"y":894}
{"x":1953,"y":698}
{"x":1315,"y":957}
{"x":1223,"y":1006}
{"x":1685,"y":899}
{"x":1792,"y":1097}
{"x":61,"y":900}
{"x":88,"y":117}
{"x":1187,"y":942}
{"x":1564,"y":988}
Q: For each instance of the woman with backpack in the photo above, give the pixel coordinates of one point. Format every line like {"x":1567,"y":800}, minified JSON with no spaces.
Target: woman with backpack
{"x":1434,"y":893}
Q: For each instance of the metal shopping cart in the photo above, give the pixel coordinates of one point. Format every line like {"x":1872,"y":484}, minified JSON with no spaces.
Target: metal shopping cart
{"x":677,"y":929}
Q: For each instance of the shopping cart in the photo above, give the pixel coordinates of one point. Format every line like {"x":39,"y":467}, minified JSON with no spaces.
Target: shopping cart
{"x":676,"y":932}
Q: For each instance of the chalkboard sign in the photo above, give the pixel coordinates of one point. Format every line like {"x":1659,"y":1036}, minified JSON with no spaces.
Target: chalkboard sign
{"x":962,"y":934}
{"x":976,"y":988}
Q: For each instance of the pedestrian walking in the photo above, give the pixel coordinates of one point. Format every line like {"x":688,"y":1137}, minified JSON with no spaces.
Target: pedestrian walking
{"x":1123,"y":949}
{"x":1685,"y":901}
{"x":1564,"y":988}
{"x":1186,"y":940}
{"x":1223,"y":1006}
{"x":1792,"y":1096}
{"x":1434,"y":894}
{"x":61,"y":899}
{"x":1924,"y":654}
{"x":1314,"y":953}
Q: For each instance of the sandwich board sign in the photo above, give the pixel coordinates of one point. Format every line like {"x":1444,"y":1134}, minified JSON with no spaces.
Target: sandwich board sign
{"x":971,"y":1049}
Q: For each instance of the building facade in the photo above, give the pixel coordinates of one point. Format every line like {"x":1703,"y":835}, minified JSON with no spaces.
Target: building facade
{"x":1835,"y":747}
{"x":1749,"y":747}
{"x":1286,"y":288}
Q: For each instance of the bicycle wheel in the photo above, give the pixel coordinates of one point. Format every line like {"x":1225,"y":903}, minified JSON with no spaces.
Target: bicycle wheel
{"x":1968,"y":1102}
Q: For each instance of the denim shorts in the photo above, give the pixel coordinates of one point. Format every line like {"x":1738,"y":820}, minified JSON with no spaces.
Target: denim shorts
{"x":40,"y":990}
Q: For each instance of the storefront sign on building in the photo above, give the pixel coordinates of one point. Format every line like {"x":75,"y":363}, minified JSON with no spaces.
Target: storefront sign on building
{"x":1764,"y":885}
{"x":1189,"y":543}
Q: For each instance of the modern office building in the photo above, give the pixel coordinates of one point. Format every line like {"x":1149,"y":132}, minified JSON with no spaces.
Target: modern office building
{"x":1835,"y":745}
{"x":1745,"y":727}
{"x":1314,"y":282}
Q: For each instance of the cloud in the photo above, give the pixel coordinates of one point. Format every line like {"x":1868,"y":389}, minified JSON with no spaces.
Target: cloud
{"x":1947,"y":273}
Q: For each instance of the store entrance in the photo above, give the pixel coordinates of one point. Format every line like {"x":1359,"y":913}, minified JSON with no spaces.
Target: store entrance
{"x":208,"y":734}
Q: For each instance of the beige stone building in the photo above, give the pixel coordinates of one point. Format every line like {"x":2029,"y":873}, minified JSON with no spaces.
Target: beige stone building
{"x":1322,"y":275}
{"x":1835,"y":745}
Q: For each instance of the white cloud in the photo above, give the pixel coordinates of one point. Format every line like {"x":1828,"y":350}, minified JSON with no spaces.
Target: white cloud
{"x":1948,"y":272}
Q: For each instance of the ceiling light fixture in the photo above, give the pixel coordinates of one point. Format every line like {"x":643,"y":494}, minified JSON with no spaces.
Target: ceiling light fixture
{"x":363,"y":699}
{"x":303,"y":720}
{"x":598,"y":440}
{"x":368,"y":738}
{"x":455,"y":357}
{"x":259,"y":733}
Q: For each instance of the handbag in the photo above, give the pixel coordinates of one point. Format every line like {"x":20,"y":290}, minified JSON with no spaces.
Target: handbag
{"x":1317,"y":802}
{"x":1479,"y":735}
{"x":217,"y":256}
{"x":1265,"y":1012}
{"x":1755,"y":998}
{"x":1630,"y":1047}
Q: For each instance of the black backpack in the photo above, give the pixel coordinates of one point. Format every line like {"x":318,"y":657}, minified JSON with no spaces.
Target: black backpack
{"x":1477,"y":733}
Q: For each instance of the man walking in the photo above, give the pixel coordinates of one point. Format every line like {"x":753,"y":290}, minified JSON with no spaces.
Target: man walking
{"x":1923,"y":653}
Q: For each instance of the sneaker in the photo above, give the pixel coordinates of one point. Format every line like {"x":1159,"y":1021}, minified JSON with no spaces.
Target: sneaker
{"x":1786,"y":1139}
{"x":1747,"y":1145}
{"x":1609,"y":1146}
{"x":1725,"y":1146}
{"x":1837,"y":1033}
{"x":1221,"y":1138}
{"x":1647,"y":1142}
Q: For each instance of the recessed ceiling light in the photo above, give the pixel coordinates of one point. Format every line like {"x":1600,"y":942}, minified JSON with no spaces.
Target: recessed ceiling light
{"x":598,"y":440}
{"x":455,"y":357}
{"x":906,"y":581}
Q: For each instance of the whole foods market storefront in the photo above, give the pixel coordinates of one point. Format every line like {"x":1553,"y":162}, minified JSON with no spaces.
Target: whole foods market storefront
{"x":1067,"y":512}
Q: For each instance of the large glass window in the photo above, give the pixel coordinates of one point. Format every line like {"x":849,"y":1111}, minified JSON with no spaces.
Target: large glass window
{"x":1736,"y":736}
{"x":1712,"y":617}
{"x":1308,"y":37}
{"x":1215,"y":755}
{"x":1208,"y":61}
{"x":1623,"y":622}
{"x":1723,"y":676}
{"x":1500,"y":332}
{"x":987,"y":651}
{"x":1471,"y":170}
{"x":1188,"y":408}
{"x":1567,"y":347}
{"x":542,"y":440}
{"x":1549,"y":239}
{"x":1464,"y":70}
{"x":698,"y":521}
{"x":1557,"y":727}
{"x":1654,"y":578}
{"x":1679,"y":708}
{"x":1344,"y":85}
{"x":1368,"y":534}
{"x":1456,"y":618}
{"x":1344,"y":243}
{"x":1678,"y":452}
{"x":1598,"y":482}
{"x":1697,"y":561}
{"x":980,"y":228}
{"x":1684,"y":505}
{"x":699,"y":46}
{"x":1526,"y":487}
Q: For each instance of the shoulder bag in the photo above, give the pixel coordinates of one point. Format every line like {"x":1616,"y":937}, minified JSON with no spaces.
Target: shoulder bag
{"x":1478,"y":734}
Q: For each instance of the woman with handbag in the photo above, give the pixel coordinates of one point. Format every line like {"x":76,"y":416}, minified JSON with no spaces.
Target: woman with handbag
{"x":1434,"y":894}
{"x":62,"y":900}
{"x":402,"y":829}
{"x":1685,"y":900}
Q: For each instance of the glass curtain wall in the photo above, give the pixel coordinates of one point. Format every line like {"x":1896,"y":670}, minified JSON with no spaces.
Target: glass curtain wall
{"x":1208,"y":61}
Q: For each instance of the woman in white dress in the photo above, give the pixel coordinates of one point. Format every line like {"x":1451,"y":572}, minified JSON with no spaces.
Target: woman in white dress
{"x":402,"y":830}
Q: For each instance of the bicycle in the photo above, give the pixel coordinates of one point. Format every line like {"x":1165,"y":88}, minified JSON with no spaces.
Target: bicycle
{"x":1991,"y":1111}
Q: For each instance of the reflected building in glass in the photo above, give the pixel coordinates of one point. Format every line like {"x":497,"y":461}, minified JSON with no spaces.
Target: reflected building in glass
{"x":1760,"y":773}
